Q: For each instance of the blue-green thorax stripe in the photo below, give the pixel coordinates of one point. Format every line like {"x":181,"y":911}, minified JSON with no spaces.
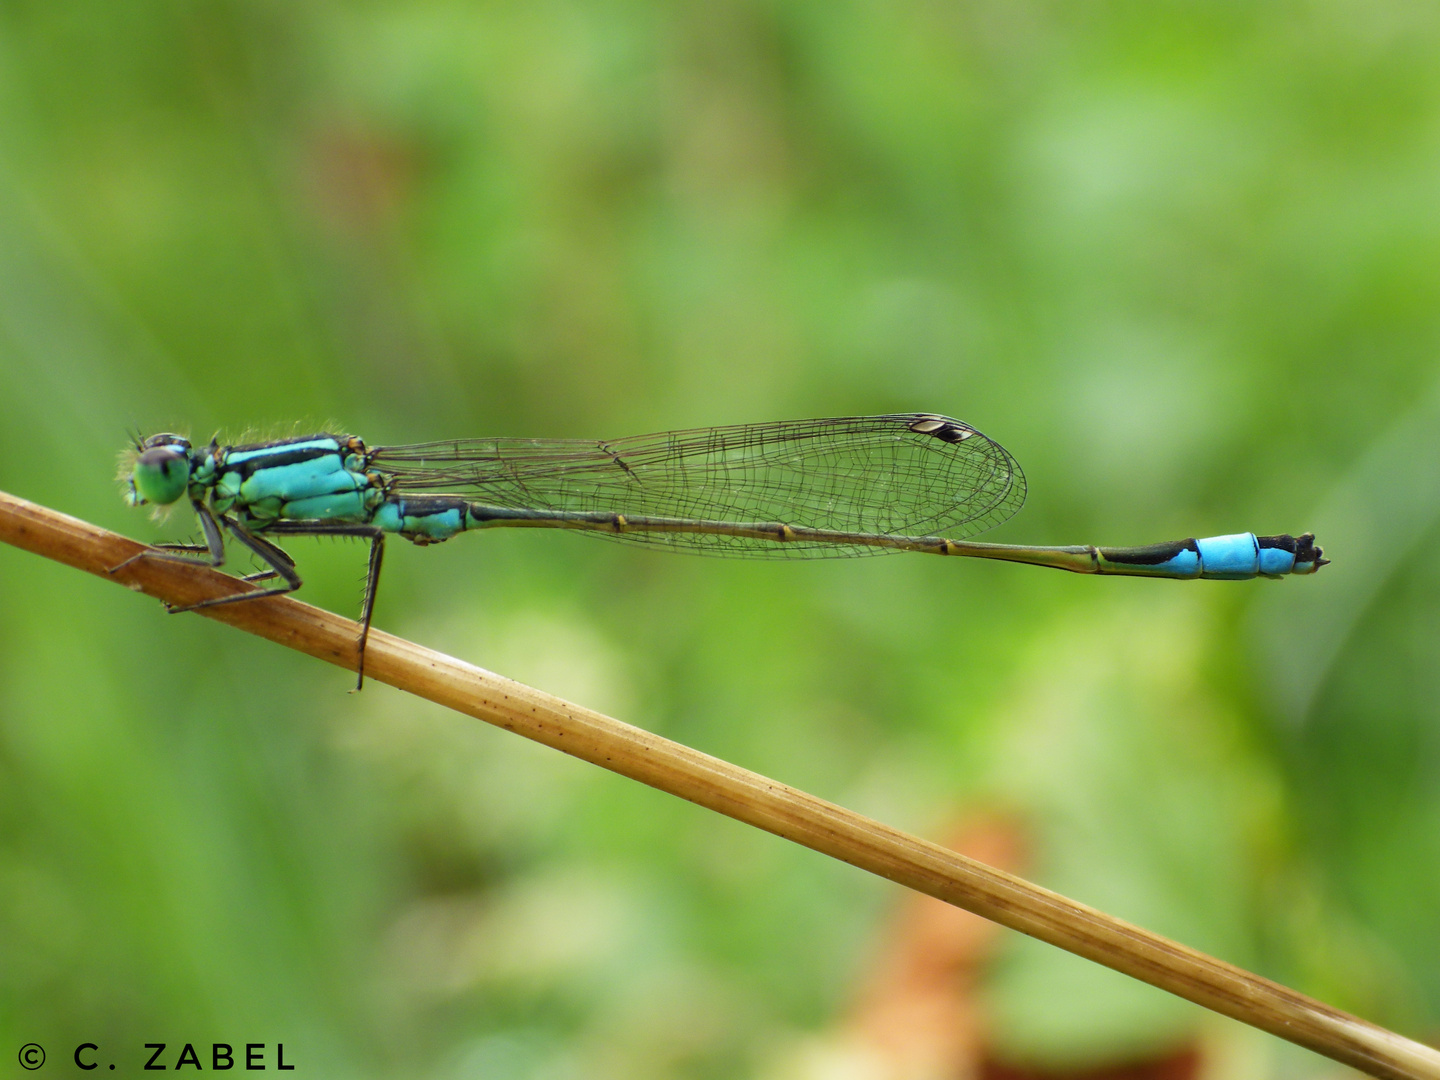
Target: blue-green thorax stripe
{"x":280,"y":453}
{"x":303,"y":478}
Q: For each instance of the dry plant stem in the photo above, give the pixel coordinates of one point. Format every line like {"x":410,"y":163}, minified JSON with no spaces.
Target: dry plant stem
{"x":740,"y":794}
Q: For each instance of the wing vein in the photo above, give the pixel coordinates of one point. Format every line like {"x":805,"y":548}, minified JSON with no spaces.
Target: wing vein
{"x":914,"y":474}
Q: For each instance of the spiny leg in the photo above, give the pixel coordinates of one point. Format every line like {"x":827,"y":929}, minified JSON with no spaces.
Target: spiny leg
{"x":280,"y":565}
{"x":214,"y":545}
{"x":372,"y":582}
{"x":274,"y":555}
{"x":376,"y":536}
{"x":215,"y":549}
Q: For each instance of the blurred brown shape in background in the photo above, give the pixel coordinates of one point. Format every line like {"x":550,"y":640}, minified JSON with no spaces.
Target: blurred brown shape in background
{"x":919,"y":1013}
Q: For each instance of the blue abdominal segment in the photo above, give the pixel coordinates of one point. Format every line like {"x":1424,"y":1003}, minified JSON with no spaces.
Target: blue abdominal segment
{"x":1230,"y":558}
{"x":423,"y":519}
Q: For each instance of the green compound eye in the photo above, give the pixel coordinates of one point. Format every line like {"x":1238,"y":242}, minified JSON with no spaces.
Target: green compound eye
{"x":161,"y":475}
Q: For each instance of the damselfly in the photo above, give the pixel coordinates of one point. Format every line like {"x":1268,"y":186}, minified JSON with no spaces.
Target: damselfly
{"x":807,"y":489}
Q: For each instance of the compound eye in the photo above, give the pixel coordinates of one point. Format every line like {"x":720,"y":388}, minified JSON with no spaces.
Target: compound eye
{"x":161,"y":475}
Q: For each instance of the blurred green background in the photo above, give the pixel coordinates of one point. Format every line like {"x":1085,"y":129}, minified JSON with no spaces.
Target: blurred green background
{"x":1182,"y":259}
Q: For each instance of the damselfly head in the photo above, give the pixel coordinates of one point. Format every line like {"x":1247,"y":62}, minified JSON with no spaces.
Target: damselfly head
{"x":159,"y":472}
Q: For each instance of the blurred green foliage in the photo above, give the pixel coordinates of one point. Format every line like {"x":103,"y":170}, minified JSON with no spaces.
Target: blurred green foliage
{"x":1182,"y":259}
